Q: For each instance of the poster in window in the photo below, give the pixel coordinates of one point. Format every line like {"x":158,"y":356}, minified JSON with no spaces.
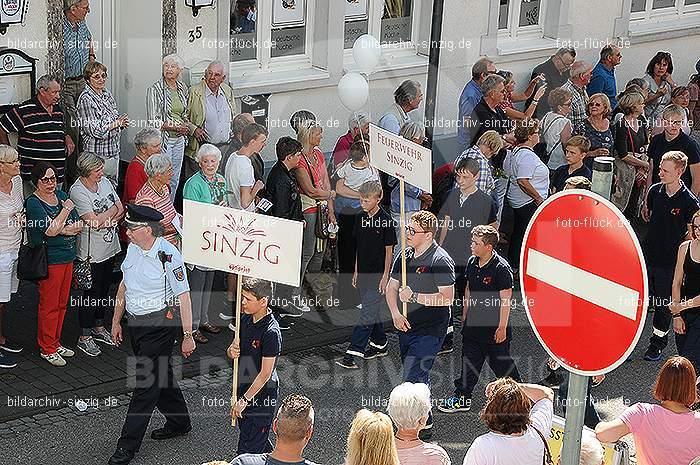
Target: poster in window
{"x":355,"y":9}
{"x":288,"y":13}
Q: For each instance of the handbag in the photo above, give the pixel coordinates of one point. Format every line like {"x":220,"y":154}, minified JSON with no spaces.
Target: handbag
{"x":82,"y":271}
{"x":32,"y":262}
{"x":547,"y":457}
{"x":321,"y":229}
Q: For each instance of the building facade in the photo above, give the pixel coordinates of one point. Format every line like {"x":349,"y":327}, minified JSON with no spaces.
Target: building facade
{"x":297,"y":50}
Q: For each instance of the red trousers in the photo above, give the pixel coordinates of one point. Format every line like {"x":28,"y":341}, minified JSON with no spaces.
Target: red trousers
{"x":54,"y":292}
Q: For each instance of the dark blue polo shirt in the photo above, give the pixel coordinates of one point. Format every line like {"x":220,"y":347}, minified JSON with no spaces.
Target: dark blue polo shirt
{"x":258,"y":340}
{"x":559,"y":176}
{"x":485,"y":285}
{"x":373,"y":235}
{"x":424,"y":274}
{"x":668,"y":226}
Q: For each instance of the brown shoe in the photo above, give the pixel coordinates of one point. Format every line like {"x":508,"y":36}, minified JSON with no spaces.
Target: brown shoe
{"x":199,"y":337}
{"x":210,"y":328}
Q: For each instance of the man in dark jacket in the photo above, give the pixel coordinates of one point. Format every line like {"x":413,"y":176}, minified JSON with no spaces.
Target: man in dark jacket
{"x":283,"y":191}
{"x":556,"y":73}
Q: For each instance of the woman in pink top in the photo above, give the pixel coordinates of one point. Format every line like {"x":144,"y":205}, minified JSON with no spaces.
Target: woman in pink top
{"x":156,"y":194}
{"x":409,"y":407}
{"x":666,"y":434}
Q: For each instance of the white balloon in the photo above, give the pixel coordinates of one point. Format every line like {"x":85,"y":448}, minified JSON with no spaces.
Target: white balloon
{"x":353,"y":91}
{"x":366,"y":51}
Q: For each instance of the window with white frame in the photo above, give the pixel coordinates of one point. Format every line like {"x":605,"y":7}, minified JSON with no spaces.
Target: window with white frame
{"x":272,"y":34}
{"x":521,"y":18}
{"x":660,"y":10}
{"x":394,"y":22}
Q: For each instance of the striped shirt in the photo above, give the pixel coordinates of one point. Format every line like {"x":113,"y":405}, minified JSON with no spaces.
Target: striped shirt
{"x":149,"y":197}
{"x":95,"y":113}
{"x":159,"y":106}
{"x":42,"y":136}
{"x":76,"y":47}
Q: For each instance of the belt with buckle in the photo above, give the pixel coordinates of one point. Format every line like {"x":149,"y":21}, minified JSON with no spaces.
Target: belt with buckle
{"x":148,"y":316}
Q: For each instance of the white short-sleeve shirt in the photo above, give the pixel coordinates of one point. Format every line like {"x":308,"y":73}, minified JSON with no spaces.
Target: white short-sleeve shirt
{"x":523,"y":163}
{"x":148,"y":287}
{"x":502,"y":449}
{"x":239,"y":173}
{"x":104,"y":242}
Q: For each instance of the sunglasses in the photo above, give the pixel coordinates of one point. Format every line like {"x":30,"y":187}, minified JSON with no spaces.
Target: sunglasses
{"x":48,"y":180}
{"x":99,"y":76}
{"x":595,"y":104}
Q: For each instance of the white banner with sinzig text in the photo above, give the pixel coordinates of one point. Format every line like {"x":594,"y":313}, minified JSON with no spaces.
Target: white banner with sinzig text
{"x":238,"y":241}
{"x":401,"y":158}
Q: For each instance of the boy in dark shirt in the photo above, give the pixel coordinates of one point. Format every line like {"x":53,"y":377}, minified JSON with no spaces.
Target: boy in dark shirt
{"x":465,"y":207}
{"x":428,"y":294}
{"x":575,"y":151}
{"x":669,"y":208}
{"x":258,"y":346}
{"x":485,"y":331}
{"x":375,"y":237}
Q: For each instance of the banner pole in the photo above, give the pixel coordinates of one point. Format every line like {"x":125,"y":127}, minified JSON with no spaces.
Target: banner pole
{"x":403,"y":242}
{"x":234,"y":395}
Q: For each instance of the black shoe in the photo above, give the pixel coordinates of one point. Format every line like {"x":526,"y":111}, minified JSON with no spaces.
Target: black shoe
{"x":652,"y":355}
{"x":347,"y":362}
{"x":167,"y":433}
{"x":446,"y":348}
{"x":553,"y":379}
{"x":121,"y":456}
{"x":373,"y":352}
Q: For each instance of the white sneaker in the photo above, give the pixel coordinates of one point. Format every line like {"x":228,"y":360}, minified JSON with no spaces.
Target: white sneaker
{"x":54,"y":359}
{"x":358,"y":306}
{"x":225,"y":317}
{"x":65,"y":352}
{"x":231,"y":327}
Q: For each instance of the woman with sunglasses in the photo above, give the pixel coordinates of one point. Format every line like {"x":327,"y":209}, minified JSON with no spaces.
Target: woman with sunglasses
{"x":52,"y":219}
{"x":11,"y":219}
{"x":596,"y":128}
{"x":100,"y":122}
{"x":685,"y":295}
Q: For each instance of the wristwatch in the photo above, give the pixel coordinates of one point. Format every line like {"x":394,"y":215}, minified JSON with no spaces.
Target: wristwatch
{"x":247,"y":402}
{"x":414,"y":298}
{"x":186,"y":335}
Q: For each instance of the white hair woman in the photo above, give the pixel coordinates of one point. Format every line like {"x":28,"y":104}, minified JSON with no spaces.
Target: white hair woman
{"x":166,"y":109}
{"x":409,"y":407}
{"x":156,"y":194}
{"x":99,"y":207}
{"x":11,"y":219}
{"x":206,"y":186}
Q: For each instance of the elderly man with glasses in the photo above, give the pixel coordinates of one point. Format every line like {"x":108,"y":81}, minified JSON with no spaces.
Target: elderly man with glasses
{"x":556,"y":73}
{"x":41,"y":129}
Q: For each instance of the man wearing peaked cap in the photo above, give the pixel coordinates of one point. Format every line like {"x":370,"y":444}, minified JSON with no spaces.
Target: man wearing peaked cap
{"x":155,"y":295}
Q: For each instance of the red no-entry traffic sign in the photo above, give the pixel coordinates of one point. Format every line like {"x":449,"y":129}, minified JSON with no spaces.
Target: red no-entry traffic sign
{"x":584,"y":282}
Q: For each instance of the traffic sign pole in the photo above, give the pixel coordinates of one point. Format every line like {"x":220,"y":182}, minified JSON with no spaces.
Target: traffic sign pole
{"x":578,"y":384}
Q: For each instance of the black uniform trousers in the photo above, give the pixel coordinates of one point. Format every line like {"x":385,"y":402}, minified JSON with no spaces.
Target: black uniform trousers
{"x":474,"y":354}
{"x":152,"y":340}
{"x":660,"y":284}
{"x":256,"y":423}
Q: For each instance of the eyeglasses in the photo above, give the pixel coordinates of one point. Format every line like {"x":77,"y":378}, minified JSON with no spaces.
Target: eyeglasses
{"x":48,"y":180}
{"x":696,"y":226}
{"x":99,"y":76}
{"x":412,"y":232}
{"x":566,"y":104}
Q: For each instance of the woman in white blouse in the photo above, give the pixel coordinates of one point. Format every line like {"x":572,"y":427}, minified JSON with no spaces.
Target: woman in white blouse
{"x":11,"y":220}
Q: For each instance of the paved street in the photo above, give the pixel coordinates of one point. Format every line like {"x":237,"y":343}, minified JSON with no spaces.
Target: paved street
{"x":336,"y":393}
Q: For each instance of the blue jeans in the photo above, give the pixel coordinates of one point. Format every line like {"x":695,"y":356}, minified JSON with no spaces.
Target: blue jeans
{"x":369,"y":328}
{"x":418,"y":355}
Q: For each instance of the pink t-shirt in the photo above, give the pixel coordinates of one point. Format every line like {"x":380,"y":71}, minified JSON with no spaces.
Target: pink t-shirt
{"x":424,"y":454}
{"x":662,"y":437}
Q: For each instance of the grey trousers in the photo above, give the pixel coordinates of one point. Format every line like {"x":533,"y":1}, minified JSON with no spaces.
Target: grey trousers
{"x":201,"y":284}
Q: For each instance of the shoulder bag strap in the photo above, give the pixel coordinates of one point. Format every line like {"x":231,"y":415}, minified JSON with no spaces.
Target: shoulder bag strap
{"x":547,"y":456}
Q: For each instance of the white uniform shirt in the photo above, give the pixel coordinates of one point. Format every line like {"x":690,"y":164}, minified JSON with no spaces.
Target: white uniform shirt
{"x":217,"y":116}
{"x":145,"y":281}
